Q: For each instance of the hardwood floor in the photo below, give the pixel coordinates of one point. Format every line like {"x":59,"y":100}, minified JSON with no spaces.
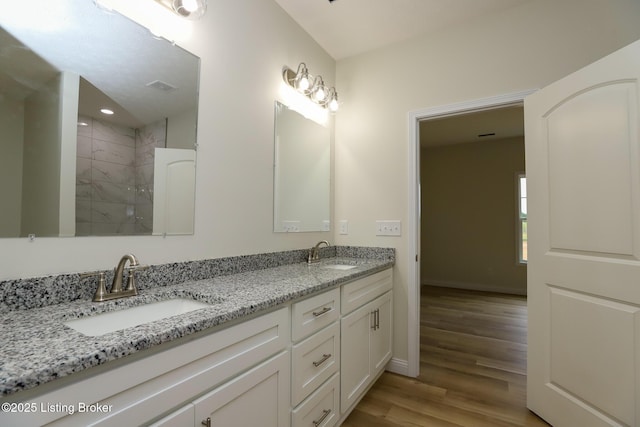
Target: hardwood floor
{"x":472,"y":367}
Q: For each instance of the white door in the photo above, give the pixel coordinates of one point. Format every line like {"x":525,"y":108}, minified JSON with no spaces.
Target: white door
{"x":174,"y":184}
{"x":583,"y":184}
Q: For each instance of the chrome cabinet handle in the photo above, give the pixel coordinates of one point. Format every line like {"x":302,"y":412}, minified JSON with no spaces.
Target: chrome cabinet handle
{"x":325,"y":414}
{"x":325,"y":357}
{"x":376,"y":319}
{"x":321,"y":312}
{"x":206,"y":423}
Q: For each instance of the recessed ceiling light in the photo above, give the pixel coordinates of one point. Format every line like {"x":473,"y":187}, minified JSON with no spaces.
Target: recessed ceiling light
{"x":106,"y":111}
{"x":83,"y":124}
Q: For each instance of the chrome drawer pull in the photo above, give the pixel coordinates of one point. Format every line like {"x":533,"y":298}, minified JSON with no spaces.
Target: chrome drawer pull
{"x":325,"y":357}
{"x":206,"y":422}
{"x":321,"y":312}
{"x":325,"y":414}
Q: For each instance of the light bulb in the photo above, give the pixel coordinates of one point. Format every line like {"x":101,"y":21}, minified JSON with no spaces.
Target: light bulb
{"x":303,"y":84}
{"x":320,"y":94}
{"x":333,"y":105}
{"x":190,"y":5}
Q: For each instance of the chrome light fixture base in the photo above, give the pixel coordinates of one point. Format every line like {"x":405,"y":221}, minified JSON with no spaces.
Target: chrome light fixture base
{"x":189,"y":9}
{"x":313,"y":88}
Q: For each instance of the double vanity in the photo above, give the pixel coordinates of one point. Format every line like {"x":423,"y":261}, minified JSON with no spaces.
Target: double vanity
{"x":266,"y":343}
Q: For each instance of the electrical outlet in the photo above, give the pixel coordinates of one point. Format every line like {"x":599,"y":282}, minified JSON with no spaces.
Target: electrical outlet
{"x":388,"y":228}
{"x":291,"y":226}
{"x":344,"y":226}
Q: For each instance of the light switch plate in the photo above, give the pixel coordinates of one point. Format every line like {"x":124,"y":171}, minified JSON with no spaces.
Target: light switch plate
{"x":344,"y":226}
{"x":388,"y":228}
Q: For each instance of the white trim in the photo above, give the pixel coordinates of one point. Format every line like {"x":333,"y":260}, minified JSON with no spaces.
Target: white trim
{"x":398,"y":366}
{"x":519,"y":261}
{"x":413,"y":225}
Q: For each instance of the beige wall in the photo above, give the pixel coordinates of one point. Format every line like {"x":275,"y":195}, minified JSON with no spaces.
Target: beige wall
{"x":469,"y":208}
{"x":12,"y":125}
{"x":243,"y":46}
{"x":41,"y":157}
{"x":522,"y":48}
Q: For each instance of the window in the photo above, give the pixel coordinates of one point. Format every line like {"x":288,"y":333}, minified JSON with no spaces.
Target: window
{"x":522,"y":219}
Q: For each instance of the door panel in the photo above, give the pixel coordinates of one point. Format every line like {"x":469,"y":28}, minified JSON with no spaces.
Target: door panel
{"x":174,"y":191}
{"x":585,"y":214}
{"x":584,"y":245}
{"x":613,"y":326}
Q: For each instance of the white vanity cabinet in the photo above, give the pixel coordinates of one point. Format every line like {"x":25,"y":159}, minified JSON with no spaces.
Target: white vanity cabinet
{"x":305,"y":364}
{"x":365,"y":335}
{"x":184,"y":376}
{"x":315,"y":362}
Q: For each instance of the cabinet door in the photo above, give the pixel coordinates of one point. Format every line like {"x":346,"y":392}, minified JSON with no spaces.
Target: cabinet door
{"x":355,"y":372}
{"x":381,"y":334}
{"x":259,"y":397}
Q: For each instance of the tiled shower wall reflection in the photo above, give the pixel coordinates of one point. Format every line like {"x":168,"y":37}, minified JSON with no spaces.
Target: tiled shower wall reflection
{"x":114,"y":181}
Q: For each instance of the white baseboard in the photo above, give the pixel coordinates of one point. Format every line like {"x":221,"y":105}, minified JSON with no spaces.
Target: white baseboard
{"x":473,"y":286}
{"x":398,"y":366}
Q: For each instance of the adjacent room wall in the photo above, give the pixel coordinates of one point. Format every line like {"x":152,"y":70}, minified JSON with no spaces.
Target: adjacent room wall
{"x":469,"y":209}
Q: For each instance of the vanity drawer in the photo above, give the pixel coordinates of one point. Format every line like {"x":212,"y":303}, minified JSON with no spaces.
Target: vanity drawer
{"x":314,"y":313}
{"x":313,"y":361}
{"x":361,"y":291}
{"x":321,"y":408}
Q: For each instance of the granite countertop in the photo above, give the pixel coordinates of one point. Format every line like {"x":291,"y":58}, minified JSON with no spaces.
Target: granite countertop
{"x":38,"y":347}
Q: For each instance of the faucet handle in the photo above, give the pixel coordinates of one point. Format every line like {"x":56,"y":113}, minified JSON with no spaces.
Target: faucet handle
{"x":131,"y":280}
{"x":101,"y":291}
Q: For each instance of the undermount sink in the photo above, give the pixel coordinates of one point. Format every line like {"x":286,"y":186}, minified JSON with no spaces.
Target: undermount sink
{"x":339,"y":266}
{"x":116,"y":320}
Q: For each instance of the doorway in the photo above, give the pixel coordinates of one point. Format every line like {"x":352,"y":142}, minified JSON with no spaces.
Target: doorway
{"x":471,"y":166}
{"x":414,"y":227}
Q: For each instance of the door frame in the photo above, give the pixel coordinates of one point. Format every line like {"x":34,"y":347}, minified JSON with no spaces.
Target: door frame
{"x":413,"y":232}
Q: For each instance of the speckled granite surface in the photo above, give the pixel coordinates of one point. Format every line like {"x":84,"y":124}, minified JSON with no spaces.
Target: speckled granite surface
{"x":38,"y":348}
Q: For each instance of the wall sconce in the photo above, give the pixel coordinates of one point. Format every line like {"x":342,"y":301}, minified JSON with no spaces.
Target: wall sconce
{"x":313,"y":88}
{"x":190,"y":9}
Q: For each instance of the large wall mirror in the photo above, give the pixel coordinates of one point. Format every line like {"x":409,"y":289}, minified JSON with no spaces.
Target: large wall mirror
{"x":68,"y":169}
{"x":302,"y":170}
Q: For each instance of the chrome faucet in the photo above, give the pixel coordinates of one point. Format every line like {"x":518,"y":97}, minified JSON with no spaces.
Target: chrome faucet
{"x":314,"y":256}
{"x":117,"y":290}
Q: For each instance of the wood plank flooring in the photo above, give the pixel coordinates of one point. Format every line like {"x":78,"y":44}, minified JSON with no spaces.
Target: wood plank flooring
{"x":472,"y":367}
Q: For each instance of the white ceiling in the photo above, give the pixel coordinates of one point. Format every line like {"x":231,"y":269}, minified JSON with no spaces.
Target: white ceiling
{"x":505,"y":122}
{"x":346,"y":28}
{"x":349,"y":27}
{"x":115,"y":55}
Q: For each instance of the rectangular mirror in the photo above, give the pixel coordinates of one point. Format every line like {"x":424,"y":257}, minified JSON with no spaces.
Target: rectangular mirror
{"x":302,"y":171}
{"x":68,"y":169}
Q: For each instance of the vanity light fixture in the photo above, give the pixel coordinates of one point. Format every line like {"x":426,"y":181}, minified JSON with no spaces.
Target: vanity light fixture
{"x":313,"y":88}
{"x":190,"y":9}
